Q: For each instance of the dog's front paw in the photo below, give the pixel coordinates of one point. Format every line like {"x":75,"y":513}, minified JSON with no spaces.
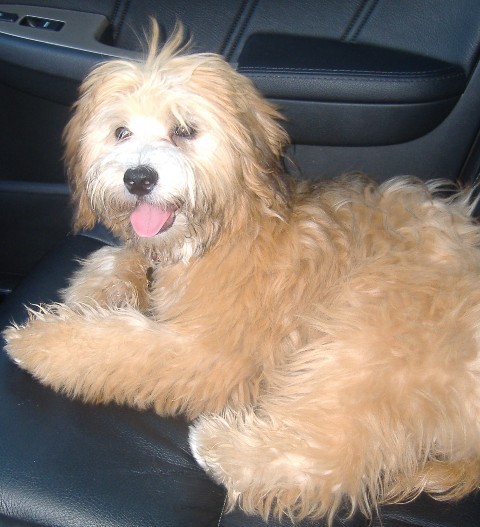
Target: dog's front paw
{"x":112,"y":277}
{"x":84,"y":351}
{"x":32,"y":345}
{"x":19,"y":345}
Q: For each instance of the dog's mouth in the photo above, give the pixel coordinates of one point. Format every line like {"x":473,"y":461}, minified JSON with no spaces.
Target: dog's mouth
{"x":149,"y":220}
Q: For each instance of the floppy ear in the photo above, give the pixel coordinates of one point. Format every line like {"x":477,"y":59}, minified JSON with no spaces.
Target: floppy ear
{"x":251,"y":123}
{"x":84,"y":217}
{"x":263,"y":168}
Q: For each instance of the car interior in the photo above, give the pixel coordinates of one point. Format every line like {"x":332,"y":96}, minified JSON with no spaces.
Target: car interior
{"x":374,"y":86}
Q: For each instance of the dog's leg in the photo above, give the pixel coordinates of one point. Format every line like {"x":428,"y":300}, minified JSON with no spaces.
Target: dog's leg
{"x":111,"y":276}
{"x":120,"y":355}
{"x":268,"y":467}
{"x":310,"y":447}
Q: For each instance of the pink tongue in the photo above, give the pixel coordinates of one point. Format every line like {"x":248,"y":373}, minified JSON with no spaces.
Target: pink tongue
{"x":148,"y":220}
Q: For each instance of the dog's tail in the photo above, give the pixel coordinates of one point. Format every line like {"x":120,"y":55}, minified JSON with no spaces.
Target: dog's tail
{"x":473,"y":198}
{"x":466,"y":197}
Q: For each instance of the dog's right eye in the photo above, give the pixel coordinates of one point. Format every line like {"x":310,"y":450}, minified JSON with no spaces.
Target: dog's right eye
{"x":122,"y":133}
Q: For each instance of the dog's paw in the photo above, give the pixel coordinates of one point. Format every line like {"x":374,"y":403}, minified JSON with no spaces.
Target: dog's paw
{"x":260,"y":464}
{"x":117,"y":293}
{"x":30,"y":344}
{"x":122,"y":293}
{"x":207,"y":438}
{"x":10,"y":335}
{"x":112,"y":277}
{"x":231,"y":463}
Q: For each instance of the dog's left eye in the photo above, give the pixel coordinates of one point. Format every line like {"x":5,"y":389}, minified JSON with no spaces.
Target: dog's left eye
{"x":122,"y":133}
{"x":183,"y":131}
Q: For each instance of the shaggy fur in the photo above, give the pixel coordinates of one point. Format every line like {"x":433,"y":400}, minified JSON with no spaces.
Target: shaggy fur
{"x":324,"y":335}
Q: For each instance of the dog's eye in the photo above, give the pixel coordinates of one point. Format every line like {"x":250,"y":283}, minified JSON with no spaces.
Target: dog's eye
{"x":183,"y":131}
{"x":122,"y":133}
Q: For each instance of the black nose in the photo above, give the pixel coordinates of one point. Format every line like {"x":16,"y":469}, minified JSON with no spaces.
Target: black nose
{"x":140,"y":180}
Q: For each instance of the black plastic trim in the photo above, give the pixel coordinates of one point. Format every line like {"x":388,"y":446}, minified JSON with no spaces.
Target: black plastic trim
{"x":307,"y":68}
{"x":342,"y":94}
{"x":350,"y":124}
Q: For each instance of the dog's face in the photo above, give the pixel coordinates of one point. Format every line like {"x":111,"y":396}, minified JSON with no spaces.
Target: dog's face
{"x":172,"y":152}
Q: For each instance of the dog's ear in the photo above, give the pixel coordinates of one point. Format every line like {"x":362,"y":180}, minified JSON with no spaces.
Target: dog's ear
{"x":84,"y":217}
{"x":77,"y":136}
{"x":263,"y":167}
{"x":250,"y":124}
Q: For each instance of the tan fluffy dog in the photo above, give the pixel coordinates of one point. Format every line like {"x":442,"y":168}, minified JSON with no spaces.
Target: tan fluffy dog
{"x":324,"y":335}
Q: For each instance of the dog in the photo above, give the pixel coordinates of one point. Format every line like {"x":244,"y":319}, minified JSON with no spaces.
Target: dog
{"x":322,"y":336}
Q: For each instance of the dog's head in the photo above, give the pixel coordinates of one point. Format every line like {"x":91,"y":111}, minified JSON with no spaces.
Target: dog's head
{"x":171,"y":152}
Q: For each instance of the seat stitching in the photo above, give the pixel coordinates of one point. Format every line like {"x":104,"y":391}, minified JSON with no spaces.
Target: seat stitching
{"x":358,"y":21}
{"x":327,"y":71}
{"x":119,"y":12}
{"x":249,"y":11}
{"x":122,"y":18}
{"x":222,"y":512}
{"x":386,"y":78}
{"x":363,"y":23}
